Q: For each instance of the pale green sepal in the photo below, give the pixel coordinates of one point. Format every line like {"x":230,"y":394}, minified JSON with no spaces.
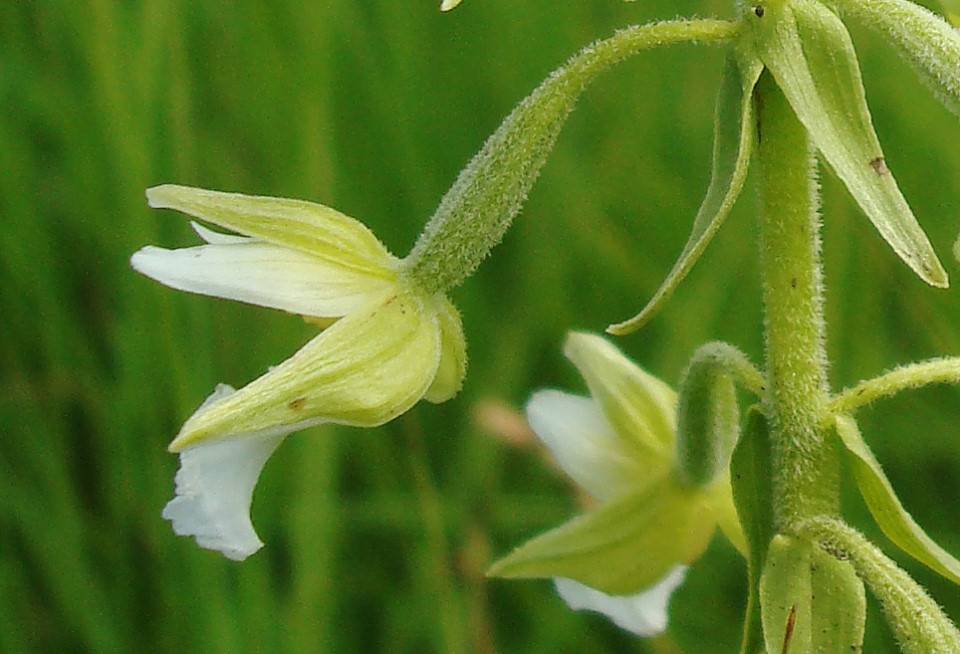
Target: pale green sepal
{"x":883,"y":503}
{"x":916,"y":620}
{"x":365,"y":370}
{"x":750,"y":470}
{"x":734,"y":135}
{"x":296,"y":224}
{"x":811,"y":602}
{"x":453,"y":354}
{"x":623,"y":546}
{"x":810,"y":54}
{"x":638,"y":406}
{"x":927,"y":42}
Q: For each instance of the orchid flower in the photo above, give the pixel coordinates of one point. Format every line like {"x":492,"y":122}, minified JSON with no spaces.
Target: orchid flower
{"x":388,"y":344}
{"x":625,"y":557}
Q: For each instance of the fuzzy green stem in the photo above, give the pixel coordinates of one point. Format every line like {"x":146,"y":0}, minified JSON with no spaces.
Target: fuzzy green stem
{"x":477,"y":210}
{"x":914,"y":375}
{"x":920,"y":625}
{"x":805,"y":460}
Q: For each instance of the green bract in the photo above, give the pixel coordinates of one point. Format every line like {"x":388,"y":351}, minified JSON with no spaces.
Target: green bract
{"x":734,"y":136}
{"x":915,"y":619}
{"x":805,"y":46}
{"x":810,"y":54}
{"x":810,"y":601}
{"x":897,"y":524}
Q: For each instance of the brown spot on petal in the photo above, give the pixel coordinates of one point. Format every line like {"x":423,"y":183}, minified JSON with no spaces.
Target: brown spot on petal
{"x":879,"y":166}
{"x":297,"y":404}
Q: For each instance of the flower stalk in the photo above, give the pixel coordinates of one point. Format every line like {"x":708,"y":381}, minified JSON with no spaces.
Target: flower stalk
{"x":478,"y":209}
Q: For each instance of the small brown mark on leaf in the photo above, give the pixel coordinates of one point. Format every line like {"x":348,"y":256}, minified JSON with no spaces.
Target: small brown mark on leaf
{"x":793,"y":283}
{"x":879,"y":165}
{"x":788,"y":632}
{"x":758,"y":10}
{"x":297,"y":404}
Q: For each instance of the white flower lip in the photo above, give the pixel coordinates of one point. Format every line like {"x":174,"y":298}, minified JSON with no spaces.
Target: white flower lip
{"x":214,"y":488}
{"x":643,"y":614}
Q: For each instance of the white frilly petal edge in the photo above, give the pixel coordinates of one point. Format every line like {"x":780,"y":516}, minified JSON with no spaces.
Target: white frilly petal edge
{"x":643,"y":614}
{"x":214,"y":489}
{"x":582,"y":442}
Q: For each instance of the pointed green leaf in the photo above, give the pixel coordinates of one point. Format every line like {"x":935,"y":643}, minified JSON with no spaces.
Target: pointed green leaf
{"x":926,"y":41}
{"x":752,"y":493}
{"x":623,"y":546}
{"x":810,"y":601}
{"x":732,"y":147}
{"x":810,"y":54}
{"x":896,"y":523}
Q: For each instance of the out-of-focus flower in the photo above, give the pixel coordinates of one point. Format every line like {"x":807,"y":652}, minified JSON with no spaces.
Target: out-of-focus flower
{"x":625,"y":557}
{"x":388,"y":344}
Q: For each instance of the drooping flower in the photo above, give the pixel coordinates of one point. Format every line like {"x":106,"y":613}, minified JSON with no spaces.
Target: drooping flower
{"x":388,"y":344}
{"x":626,"y":556}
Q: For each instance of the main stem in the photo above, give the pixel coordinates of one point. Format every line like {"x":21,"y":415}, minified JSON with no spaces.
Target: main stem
{"x":805,"y":468}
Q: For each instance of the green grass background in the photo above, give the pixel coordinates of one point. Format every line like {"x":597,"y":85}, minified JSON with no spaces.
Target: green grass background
{"x":377,"y":539}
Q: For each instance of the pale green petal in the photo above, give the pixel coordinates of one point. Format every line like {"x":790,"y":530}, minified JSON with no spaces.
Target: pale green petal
{"x":810,"y":54}
{"x":623,"y":546}
{"x":734,"y":135}
{"x":811,"y":602}
{"x":296,"y":224}
{"x":365,"y":370}
{"x":453,"y":354}
{"x":881,"y":499}
{"x":638,"y":406}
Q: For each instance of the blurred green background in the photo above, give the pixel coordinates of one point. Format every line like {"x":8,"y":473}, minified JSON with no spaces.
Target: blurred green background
{"x":376,"y":540}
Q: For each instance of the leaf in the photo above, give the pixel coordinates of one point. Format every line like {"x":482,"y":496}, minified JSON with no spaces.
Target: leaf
{"x":810,"y":54}
{"x":752,"y":493}
{"x":732,"y":148}
{"x":623,"y":546}
{"x":896,"y":523}
{"x":810,"y":601}
{"x":926,"y":41}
